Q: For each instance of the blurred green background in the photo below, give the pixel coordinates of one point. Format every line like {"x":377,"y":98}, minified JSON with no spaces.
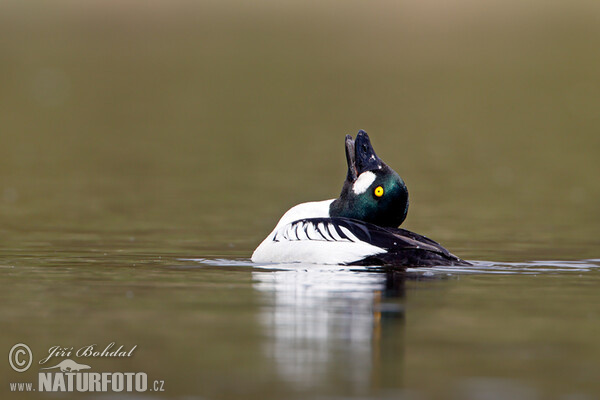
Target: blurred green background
{"x":217,"y":116}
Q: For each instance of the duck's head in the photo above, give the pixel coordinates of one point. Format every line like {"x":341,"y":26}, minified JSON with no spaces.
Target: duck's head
{"x":372,"y":192}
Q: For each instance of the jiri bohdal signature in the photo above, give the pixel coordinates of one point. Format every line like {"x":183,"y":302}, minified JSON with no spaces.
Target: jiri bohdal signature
{"x":90,"y":350}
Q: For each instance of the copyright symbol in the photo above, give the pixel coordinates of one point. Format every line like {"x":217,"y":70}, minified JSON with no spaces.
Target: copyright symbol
{"x":20,"y":357}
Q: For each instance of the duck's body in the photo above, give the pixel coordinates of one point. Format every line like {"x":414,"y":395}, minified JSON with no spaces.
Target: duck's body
{"x":308,"y":234}
{"x":357,"y":228}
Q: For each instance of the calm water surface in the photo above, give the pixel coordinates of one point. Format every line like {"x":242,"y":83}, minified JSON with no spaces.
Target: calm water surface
{"x":145,"y":152}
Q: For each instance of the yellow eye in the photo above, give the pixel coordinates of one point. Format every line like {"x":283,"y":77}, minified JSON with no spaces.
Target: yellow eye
{"x":378,"y":191}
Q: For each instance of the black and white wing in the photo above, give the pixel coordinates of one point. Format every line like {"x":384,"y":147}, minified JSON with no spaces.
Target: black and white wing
{"x":315,"y":241}
{"x":402,"y":247}
{"x":348,"y":241}
{"x":321,"y":229}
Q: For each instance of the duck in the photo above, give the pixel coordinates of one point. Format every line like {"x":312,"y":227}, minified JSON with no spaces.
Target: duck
{"x":360,"y":227}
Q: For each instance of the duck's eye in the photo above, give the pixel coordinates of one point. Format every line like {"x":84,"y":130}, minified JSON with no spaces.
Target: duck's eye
{"x":378,"y":192}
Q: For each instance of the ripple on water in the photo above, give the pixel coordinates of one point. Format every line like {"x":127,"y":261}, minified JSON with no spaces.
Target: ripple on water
{"x":478,"y":267}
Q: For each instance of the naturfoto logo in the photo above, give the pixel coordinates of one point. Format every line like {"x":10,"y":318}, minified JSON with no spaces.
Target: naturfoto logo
{"x":66,"y":375}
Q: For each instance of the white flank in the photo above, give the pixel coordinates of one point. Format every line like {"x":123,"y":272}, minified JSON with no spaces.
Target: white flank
{"x":363,"y":182}
{"x":310,"y":243}
{"x":313,"y":252}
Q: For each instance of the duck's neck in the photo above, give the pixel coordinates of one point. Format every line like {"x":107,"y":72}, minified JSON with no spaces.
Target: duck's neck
{"x":343,"y":207}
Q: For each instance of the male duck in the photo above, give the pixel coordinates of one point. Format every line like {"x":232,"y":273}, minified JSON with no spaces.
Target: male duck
{"x":359,"y":227}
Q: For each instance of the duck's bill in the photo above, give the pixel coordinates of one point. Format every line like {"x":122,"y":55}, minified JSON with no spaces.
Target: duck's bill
{"x":350,"y":158}
{"x":360,"y":155}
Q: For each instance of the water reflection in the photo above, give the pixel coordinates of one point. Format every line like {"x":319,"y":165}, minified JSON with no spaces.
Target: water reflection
{"x":342,"y":332}
{"x":319,"y":318}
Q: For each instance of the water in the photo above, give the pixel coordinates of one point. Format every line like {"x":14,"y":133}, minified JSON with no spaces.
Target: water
{"x":146,"y":151}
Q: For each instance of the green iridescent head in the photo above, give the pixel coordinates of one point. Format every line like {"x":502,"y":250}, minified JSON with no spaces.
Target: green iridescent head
{"x":372,"y":192}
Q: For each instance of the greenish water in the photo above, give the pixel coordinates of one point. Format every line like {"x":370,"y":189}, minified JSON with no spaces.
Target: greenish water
{"x":146,"y":150}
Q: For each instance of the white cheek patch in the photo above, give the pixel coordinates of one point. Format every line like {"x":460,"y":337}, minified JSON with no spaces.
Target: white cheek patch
{"x":363,"y":182}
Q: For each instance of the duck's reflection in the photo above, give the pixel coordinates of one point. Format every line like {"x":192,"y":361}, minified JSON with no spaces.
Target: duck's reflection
{"x":333,"y":326}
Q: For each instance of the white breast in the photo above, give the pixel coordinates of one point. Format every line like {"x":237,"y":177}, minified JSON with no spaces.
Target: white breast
{"x":313,"y":209}
{"x":311,"y":243}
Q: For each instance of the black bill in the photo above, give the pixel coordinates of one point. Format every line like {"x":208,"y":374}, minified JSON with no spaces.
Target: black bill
{"x":360,"y":156}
